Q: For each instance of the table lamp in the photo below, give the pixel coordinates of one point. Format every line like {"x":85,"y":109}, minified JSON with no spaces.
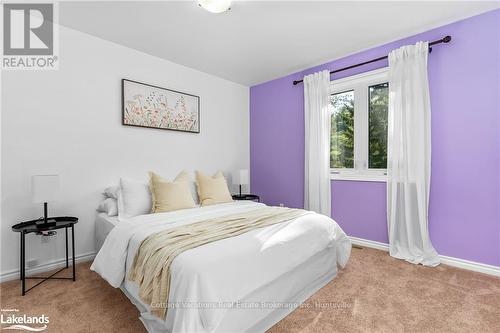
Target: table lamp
{"x":240,"y":177}
{"x":45,"y":188}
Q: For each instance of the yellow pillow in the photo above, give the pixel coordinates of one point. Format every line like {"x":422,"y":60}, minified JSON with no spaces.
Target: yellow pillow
{"x":212,"y":190}
{"x":169,"y":196}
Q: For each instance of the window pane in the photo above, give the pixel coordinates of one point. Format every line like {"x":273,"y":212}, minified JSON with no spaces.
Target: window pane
{"x":377,"y":126}
{"x":342,"y":131}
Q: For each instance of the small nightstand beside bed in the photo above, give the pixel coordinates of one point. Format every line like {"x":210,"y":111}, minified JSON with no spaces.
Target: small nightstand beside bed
{"x":243,"y":283}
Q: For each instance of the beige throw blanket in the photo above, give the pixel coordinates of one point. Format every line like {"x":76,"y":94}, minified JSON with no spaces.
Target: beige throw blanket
{"x":151,"y":266}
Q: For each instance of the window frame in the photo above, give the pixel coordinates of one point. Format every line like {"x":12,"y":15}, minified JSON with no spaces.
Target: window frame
{"x":360,"y":84}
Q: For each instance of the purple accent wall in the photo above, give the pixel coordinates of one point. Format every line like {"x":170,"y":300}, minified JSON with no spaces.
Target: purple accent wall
{"x":464,"y":79}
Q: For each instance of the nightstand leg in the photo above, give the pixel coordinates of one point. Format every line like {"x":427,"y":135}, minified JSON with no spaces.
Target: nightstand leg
{"x":20,"y":256}
{"x":23,"y":272}
{"x":73,"y":249}
{"x":66,"y":229}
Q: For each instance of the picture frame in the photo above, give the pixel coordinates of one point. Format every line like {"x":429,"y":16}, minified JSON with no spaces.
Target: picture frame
{"x":150,"y":106}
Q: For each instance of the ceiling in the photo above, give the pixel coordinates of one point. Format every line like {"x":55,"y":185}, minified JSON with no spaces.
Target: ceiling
{"x":257,"y":41}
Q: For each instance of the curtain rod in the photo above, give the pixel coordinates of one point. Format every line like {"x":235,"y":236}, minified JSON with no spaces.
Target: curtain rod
{"x":445,"y":40}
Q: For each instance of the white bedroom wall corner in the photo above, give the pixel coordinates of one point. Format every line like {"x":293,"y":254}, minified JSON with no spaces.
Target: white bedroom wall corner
{"x":450,"y":261}
{"x":71,"y":123}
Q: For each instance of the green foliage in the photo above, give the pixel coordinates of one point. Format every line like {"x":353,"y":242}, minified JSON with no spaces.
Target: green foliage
{"x":342,"y":131}
{"x":342,"y":128}
{"x":377,"y":123}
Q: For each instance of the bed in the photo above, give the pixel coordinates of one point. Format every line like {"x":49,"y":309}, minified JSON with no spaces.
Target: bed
{"x":103,"y":226}
{"x":245,"y":283}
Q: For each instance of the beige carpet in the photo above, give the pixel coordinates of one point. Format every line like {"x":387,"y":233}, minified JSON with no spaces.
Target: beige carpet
{"x":375,"y":293}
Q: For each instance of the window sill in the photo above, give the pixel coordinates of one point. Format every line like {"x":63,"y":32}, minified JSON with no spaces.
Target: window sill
{"x":359,"y":178}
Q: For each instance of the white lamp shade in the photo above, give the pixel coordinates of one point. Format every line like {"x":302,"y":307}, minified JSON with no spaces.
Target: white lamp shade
{"x":45,"y":188}
{"x":240,"y":177}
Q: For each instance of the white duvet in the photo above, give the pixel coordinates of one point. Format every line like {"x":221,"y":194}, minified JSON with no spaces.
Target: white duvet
{"x":223,"y":271}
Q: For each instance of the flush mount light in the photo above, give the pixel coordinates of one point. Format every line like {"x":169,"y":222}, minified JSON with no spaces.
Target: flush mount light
{"x":215,"y":6}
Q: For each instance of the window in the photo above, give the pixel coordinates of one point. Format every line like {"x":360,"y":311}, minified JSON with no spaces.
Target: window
{"x":358,"y":138}
{"x":342,"y":130}
{"x":377,"y":125}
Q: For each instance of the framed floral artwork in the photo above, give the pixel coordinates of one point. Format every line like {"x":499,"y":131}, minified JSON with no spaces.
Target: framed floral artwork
{"x":145,"y":105}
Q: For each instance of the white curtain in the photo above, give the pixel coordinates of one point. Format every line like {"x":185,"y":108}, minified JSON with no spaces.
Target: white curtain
{"x":409,"y":156}
{"x":317,"y":142}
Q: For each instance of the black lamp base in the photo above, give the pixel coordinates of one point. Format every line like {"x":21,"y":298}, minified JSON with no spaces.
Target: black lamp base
{"x":46,"y":221}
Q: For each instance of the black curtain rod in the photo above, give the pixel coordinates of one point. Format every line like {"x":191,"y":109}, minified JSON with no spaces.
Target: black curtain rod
{"x":446,"y":39}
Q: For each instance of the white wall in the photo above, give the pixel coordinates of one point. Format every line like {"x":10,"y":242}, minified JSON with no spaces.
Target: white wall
{"x":69,"y":122}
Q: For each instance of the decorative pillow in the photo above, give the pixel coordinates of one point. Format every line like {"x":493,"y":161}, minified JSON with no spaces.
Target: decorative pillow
{"x":169,"y":196}
{"x":134,"y":198}
{"x":108,"y":206}
{"x":112,"y":192}
{"x":212,"y":190}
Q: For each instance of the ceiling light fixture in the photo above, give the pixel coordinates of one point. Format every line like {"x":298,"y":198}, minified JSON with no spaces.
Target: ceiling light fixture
{"x":215,"y":6}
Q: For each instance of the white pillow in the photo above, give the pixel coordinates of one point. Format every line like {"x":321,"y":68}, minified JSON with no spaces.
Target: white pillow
{"x":112,"y":192}
{"x":194,"y":191}
{"x":109,"y":206}
{"x":134,"y":198}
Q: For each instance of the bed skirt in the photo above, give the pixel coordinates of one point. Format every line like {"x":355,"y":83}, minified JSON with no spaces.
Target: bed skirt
{"x":302,"y":282}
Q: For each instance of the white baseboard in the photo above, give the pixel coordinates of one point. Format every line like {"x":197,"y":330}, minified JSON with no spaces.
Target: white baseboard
{"x":369,"y":243}
{"x":14,"y":274}
{"x":470,"y":265}
{"x":455,"y":262}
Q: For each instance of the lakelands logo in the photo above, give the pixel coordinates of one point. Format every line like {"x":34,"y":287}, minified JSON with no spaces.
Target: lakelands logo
{"x":29,"y":36}
{"x":16,"y":321}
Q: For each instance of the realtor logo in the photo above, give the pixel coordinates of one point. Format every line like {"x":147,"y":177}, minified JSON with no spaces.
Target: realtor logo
{"x":29,"y":36}
{"x":12,"y":319}
{"x":28,"y":29}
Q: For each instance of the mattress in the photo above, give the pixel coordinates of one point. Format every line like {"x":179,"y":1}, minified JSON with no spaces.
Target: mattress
{"x":103,"y":225}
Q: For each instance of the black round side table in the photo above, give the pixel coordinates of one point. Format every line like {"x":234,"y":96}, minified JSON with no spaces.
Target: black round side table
{"x":39,"y":227}
{"x":253,"y":197}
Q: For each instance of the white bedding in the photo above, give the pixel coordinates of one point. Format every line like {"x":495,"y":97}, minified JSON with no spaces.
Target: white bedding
{"x":103,"y":226}
{"x":228,"y":270}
